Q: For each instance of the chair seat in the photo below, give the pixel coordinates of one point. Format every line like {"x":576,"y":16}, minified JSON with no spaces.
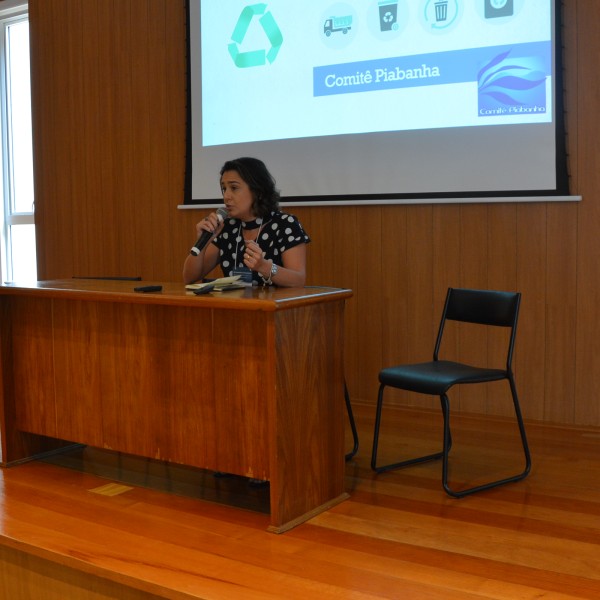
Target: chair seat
{"x":436,"y":377}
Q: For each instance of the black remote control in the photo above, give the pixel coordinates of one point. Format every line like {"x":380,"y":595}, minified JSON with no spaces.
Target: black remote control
{"x":148,"y":288}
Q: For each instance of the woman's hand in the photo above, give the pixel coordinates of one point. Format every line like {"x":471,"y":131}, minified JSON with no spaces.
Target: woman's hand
{"x":291,"y":274}
{"x":198,"y":264}
{"x":254,"y":259}
{"x":210,"y":223}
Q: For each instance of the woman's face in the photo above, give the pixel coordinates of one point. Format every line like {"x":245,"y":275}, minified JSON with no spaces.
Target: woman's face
{"x":237,"y":196}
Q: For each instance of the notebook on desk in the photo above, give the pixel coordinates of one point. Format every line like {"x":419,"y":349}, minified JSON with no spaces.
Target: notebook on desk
{"x":219,"y":285}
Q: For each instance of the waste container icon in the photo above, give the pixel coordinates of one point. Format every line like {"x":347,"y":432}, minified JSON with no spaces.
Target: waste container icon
{"x":388,"y":15}
{"x":441,"y":10}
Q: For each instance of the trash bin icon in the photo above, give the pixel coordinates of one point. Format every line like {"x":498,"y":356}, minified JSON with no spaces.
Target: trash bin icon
{"x":441,"y":10}
{"x":388,"y":15}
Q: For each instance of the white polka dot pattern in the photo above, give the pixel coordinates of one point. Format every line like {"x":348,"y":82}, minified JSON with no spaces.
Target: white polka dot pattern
{"x":278,"y":234}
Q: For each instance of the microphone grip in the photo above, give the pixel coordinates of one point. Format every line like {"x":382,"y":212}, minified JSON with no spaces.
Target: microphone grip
{"x":206,"y":235}
{"x":202,"y":241}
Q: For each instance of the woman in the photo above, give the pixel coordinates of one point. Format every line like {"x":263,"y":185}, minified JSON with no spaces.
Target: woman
{"x":256,"y":240}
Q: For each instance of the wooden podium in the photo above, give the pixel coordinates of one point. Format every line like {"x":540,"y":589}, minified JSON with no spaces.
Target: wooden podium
{"x":249,"y":382}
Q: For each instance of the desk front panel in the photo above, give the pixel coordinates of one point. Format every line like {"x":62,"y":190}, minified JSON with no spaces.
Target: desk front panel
{"x":249,"y":384}
{"x":173,"y":383}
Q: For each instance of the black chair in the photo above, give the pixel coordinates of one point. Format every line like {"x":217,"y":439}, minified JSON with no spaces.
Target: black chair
{"x":482,"y":307}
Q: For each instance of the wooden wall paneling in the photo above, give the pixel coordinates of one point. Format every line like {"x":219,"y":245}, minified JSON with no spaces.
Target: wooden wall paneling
{"x":419,"y":288}
{"x":318,"y":222}
{"x":122,"y":155}
{"x":176,"y":84}
{"x":474,"y":274}
{"x":502,"y":275}
{"x":337,"y":239}
{"x":125,"y":153}
{"x":127,"y":201}
{"x":157,"y":261}
{"x":346,"y":235}
{"x":96,"y":162}
{"x":561,"y":303}
{"x":81,"y":66}
{"x":396,"y":292}
{"x":570,"y":41}
{"x":369,"y":299}
{"x":53,"y":162}
{"x":446,"y":236}
{"x":143,"y":229}
{"x":587,"y":407}
{"x":558,"y":402}
{"x":529,"y":362}
{"x":344,"y":240}
{"x":40,"y":121}
{"x":446,"y":243}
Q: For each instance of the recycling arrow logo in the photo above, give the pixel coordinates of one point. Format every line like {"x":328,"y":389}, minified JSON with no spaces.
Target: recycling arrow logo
{"x":255,"y":58}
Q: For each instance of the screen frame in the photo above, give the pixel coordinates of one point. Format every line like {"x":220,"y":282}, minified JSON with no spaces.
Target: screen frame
{"x":560,"y":193}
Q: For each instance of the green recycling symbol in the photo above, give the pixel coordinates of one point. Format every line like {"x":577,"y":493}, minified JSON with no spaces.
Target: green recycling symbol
{"x":255,"y":58}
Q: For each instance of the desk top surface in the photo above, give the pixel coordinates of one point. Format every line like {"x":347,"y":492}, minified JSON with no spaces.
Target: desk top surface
{"x":105,"y":290}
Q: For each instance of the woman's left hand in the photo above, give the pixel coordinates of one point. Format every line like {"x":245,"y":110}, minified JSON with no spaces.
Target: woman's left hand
{"x":254,"y":257}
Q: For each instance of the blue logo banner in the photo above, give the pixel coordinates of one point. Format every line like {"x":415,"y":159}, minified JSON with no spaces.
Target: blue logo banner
{"x":507,"y":77}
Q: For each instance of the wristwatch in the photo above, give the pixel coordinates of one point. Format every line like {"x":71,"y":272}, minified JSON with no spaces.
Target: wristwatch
{"x":274,"y":269}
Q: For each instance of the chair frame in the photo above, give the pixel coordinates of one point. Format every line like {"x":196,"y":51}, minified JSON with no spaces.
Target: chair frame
{"x":350,"y":455}
{"x":509,"y":304}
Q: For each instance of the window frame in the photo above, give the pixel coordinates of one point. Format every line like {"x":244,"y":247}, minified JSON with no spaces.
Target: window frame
{"x":10,"y":14}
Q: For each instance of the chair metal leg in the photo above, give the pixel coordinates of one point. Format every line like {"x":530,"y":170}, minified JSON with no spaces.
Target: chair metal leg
{"x":445,"y":404}
{"x":354,"y":450}
{"x":516,"y":404}
{"x":492,"y":484}
{"x":404,"y":463}
{"x":447,"y":445}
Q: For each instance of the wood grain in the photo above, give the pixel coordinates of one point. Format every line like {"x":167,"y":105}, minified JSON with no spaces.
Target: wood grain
{"x":399,"y":536}
{"x":109,"y":109}
{"x":254,"y":390}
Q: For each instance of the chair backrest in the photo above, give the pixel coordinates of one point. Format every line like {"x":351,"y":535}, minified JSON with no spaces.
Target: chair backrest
{"x":486,"y":307}
{"x":483,"y":307}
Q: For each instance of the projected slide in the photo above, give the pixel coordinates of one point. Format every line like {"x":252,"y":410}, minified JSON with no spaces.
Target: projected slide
{"x":377,"y":100}
{"x":286,"y":70}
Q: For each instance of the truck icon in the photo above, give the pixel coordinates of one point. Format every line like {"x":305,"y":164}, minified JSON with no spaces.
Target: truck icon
{"x":334,"y":24}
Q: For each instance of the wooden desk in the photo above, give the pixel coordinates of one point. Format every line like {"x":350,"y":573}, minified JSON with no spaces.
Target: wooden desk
{"x":247,"y":382}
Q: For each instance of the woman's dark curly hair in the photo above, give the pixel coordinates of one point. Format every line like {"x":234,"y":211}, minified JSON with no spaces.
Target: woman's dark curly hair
{"x":261,"y":183}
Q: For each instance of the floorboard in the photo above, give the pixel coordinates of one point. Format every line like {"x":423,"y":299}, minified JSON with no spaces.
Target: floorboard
{"x":93,"y":524}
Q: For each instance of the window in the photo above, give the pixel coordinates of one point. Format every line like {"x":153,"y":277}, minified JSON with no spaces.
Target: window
{"x":18,"y":225}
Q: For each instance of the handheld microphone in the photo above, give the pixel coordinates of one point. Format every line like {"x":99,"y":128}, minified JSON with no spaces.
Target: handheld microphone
{"x":206,"y":235}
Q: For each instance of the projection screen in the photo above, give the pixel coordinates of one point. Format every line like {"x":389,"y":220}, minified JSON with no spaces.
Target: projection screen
{"x":377,"y":99}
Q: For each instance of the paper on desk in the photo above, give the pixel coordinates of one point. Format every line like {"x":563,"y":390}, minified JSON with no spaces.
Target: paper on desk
{"x":217,"y":283}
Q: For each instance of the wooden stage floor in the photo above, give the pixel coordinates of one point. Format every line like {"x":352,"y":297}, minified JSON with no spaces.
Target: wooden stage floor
{"x":90,"y":525}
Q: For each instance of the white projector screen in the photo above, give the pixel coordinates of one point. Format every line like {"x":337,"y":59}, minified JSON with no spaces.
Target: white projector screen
{"x":377,"y":99}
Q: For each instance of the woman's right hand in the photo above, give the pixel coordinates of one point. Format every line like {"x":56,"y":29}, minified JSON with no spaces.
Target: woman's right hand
{"x":210,"y":223}
{"x":200,"y":262}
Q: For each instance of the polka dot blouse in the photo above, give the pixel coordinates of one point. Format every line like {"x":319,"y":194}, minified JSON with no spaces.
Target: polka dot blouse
{"x":276,"y":234}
